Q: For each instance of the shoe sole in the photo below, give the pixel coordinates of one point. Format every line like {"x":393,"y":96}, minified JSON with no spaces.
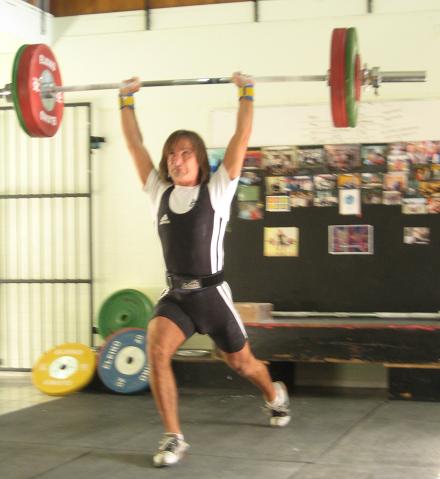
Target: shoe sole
{"x":164,"y":462}
{"x":279,"y":421}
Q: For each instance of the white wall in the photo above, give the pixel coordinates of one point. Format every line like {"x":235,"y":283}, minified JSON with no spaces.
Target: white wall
{"x":291,"y":38}
{"x":210,"y":41}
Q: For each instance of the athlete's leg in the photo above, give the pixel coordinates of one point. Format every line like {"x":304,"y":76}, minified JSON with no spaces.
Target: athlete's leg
{"x":164,"y":338}
{"x":247,"y":365}
{"x":275,"y":393}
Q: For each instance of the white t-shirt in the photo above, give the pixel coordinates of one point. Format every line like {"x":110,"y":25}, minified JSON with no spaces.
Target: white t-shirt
{"x":221,"y":192}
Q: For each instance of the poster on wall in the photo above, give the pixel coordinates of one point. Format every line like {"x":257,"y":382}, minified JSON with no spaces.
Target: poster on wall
{"x":413,"y":235}
{"x":343,"y":157}
{"x":280,"y":160}
{"x":350,"y":202}
{"x":248,"y":193}
{"x":414,"y":206}
{"x":311,"y":160}
{"x":253,"y":159}
{"x":374,"y":157}
{"x":277,"y":185}
{"x":277,"y":203}
{"x":250,"y":210}
{"x":350,"y":239}
{"x":301,"y":191}
{"x":215,"y":157}
{"x":281,"y":241}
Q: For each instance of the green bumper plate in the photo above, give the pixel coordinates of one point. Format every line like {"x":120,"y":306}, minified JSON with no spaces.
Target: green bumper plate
{"x":127,"y":308}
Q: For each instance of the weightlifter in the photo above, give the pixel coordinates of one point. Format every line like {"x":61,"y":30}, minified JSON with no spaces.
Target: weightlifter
{"x":191,"y":209}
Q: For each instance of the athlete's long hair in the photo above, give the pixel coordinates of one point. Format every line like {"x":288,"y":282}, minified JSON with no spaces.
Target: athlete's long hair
{"x":199,"y":148}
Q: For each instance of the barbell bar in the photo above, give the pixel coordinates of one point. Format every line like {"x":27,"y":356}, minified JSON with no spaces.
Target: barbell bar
{"x":379,"y":77}
{"x":38,"y":94}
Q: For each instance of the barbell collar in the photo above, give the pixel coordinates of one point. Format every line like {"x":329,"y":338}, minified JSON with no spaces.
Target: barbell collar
{"x":6,"y":91}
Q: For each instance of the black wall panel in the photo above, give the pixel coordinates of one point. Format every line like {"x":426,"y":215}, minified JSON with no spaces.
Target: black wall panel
{"x":396,"y":278}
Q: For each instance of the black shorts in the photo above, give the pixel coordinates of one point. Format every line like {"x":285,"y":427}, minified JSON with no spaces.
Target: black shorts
{"x":206,"y":311}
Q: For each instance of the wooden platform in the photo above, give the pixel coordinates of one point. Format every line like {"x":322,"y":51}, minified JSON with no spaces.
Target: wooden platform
{"x":397,"y":342}
{"x":408,"y":348}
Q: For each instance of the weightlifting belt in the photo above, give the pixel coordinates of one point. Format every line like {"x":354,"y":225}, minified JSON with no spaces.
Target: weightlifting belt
{"x":191,"y":283}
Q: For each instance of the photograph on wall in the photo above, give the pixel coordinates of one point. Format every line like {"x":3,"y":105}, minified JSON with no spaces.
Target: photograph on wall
{"x":215,"y":157}
{"x":300,"y":183}
{"x":311,"y":160}
{"x":324,"y":198}
{"x":391,"y":198}
{"x":374,"y":157}
{"x":371,"y":195}
{"x":301,"y":199}
{"x":428,"y":188}
{"x":421,"y":152}
{"x":301,"y":191}
{"x":349,"y":181}
{"x":421,"y":172}
{"x":248,"y":193}
{"x":279,"y":203}
{"x":253,"y":159}
{"x":416,"y":235}
{"x":414,"y":206}
{"x":324,"y":182}
{"x":343,"y":157}
{"x":372,"y":180}
{"x":280,"y":160}
{"x":277,"y":185}
{"x":250,"y":177}
{"x":435,"y":171}
{"x":350,"y":239}
{"x":398,"y":164}
{"x":395,"y":181}
{"x":250,"y":210}
{"x":281,"y":241}
{"x":412,"y":189}
{"x":433,"y":203}
{"x":433,"y":151}
{"x":397,"y":151}
{"x":350,"y":202}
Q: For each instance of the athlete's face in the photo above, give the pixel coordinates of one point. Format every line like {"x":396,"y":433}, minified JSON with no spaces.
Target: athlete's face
{"x":183,"y":166}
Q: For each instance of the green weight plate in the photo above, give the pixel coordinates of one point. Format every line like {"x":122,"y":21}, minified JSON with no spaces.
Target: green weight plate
{"x":352,"y":76}
{"x":127,"y":308}
{"x":14,"y":87}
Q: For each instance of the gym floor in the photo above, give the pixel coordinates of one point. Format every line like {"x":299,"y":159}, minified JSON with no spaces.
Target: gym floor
{"x":341,"y":435}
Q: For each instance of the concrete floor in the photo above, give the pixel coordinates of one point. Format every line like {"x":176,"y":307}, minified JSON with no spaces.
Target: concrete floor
{"x":358,"y":434}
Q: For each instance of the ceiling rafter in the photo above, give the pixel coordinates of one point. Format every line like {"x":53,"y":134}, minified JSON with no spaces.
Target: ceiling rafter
{"x":61,"y":8}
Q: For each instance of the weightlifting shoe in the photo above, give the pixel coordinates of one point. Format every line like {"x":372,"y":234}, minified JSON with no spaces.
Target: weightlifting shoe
{"x":278,"y":409}
{"x":171,"y":450}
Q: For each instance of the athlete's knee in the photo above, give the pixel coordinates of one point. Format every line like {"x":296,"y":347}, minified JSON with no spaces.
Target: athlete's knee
{"x":164,"y":338}
{"x":159,"y":354}
{"x":242,"y":366}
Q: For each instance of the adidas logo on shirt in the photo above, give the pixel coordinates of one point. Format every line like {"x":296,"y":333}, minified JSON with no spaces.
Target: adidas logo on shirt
{"x":164,"y":220}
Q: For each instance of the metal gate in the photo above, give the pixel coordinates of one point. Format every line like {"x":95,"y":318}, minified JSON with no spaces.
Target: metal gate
{"x":46,"y":295}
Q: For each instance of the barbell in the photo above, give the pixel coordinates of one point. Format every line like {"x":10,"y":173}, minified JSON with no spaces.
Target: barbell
{"x":38,"y":95}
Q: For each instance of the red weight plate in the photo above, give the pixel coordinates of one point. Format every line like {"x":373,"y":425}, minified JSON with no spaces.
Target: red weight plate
{"x":357,"y":78}
{"x":32,"y":127}
{"x":42,"y":115}
{"x":337,"y":78}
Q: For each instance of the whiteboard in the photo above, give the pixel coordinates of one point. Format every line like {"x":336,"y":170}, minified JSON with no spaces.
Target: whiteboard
{"x":311,"y":124}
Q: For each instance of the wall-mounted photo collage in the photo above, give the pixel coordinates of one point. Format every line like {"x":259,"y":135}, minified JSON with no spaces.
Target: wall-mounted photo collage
{"x":281,"y":178}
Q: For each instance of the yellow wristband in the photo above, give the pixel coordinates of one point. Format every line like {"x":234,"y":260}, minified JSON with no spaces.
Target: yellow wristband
{"x":246,"y":92}
{"x":126,"y":101}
